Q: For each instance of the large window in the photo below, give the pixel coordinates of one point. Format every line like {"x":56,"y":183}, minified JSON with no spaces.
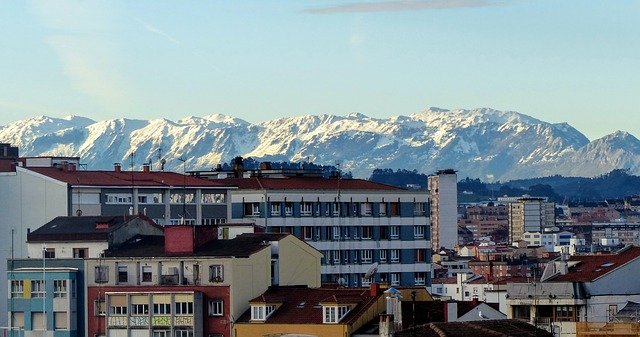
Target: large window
{"x":420,"y":255}
{"x":161,"y":308}
{"x":140,"y":309}
{"x":383,"y":255}
{"x":59,"y":288}
{"x":365,"y":208}
{"x":394,"y":279}
{"x":251,"y":209}
{"x":394,"y":209}
{"x":367,"y":232}
{"x":333,"y":314}
{"x":276,"y":209}
{"x":216,"y":307}
{"x":184,"y":308}
{"x":117,"y":310}
{"x":152,"y":198}
{"x":307,"y":232}
{"x":418,"y":232}
{"x":17,"y":288}
{"x":100,"y":308}
{"x":216,"y":273}
{"x":183,"y":333}
{"x":50,"y":253}
{"x":182,"y":197}
{"x":102,"y":274}
{"x":288,"y":208}
{"x":335,"y":231}
{"x":261,"y":312}
{"x":38,"y":288}
{"x":565,"y":313}
{"x":419,"y":278}
{"x":419,"y":208}
{"x":394,"y":232}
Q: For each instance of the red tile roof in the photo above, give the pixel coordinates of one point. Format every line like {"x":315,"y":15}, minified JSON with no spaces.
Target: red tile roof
{"x":301,"y":305}
{"x":591,"y":267}
{"x":125,"y":178}
{"x":307,"y":183}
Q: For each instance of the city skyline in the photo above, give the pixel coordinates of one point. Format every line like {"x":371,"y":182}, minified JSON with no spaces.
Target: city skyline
{"x":556,"y":61}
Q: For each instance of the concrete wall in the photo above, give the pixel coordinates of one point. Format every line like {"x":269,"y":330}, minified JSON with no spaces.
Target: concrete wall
{"x":298,"y":262}
{"x":250,"y":278}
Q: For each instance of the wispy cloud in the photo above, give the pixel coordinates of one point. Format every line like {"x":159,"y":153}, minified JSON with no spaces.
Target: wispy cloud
{"x":80,"y":37}
{"x":402,"y":5}
{"x":156,"y":30}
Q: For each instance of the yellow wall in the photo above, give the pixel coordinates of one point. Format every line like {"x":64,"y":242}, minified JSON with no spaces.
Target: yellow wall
{"x":261,"y":329}
{"x":299,"y":263}
{"x":250,"y":278}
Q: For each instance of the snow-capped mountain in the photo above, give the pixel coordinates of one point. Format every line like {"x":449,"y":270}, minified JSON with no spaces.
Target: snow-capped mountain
{"x":481,"y":143}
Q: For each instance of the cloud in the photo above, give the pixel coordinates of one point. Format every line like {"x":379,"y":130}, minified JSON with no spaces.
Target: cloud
{"x":402,"y":5}
{"x":155,"y":30}
{"x":81,"y":34}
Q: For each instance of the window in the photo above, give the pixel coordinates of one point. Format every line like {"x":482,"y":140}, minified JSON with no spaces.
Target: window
{"x":418,"y":232}
{"x":564,"y":313}
{"x":383,"y":209}
{"x":183,"y":333}
{"x":307,"y":232}
{"x":261,"y":312}
{"x":419,"y":279}
{"x":17,"y":288}
{"x":38,"y":321}
{"x":184,"y":308}
{"x":288,"y":208}
{"x":367,"y":232}
{"x":49,"y":253}
{"x":182,"y":198}
{"x":216,"y":273}
{"x":335,"y":256}
{"x":420,"y":255}
{"x":139,"y":309}
{"x":80,"y":253}
{"x":213,"y":198}
{"x":394,"y":232}
{"x":366,"y":255}
{"x":419,"y":208}
{"x":102,"y":274}
{"x":365,"y":281}
{"x":251,"y":209}
{"x":146,"y":274}
{"x":383,"y":256}
{"x":17,"y":319}
{"x":151,"y":198}
{"x":119,"y":198}
{"x":212,"y":221}
{"x":306,"y":209}
{"x":395,"y":279}
{"x":100,"y":308}
{"x":117,"y":310}
{"x":275,"y":209}
{"x":216,"y":307}
{"x":60,"y":320}
{"x":365,"y":208}
{"x":59,"y":288}
{"x":335,"y":231}
{"x":384,"y":233}
{"x":161,"y":333}
{"x":123,"y":276}
{"x":395,"y":255}
{"x":38,"y":288}
{"x":394,"y":209}
{"x":161,"y":308}
{"x":333,"y":314}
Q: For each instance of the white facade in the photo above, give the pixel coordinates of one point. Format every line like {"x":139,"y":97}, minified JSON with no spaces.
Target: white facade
{"x":443,"y":191}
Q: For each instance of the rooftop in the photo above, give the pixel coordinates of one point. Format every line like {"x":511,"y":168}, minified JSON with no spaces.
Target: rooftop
{"x":586,"y":268}
{"x":307,"y":183}
{"x":243,"y":245}
{"x":488,"y":328}
{"x":80,"y":228}
{"x":302,"y":305}
{"x":125,"y":178}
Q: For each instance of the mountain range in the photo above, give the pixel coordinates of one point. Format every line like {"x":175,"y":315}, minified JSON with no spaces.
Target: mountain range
{"x":480,"y":143}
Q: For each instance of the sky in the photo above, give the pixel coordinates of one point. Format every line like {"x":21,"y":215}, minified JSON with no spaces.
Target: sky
{"x":555,"y":60}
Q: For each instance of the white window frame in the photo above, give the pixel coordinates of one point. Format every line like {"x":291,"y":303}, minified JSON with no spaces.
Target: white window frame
{"x":419,"y":278}
{"x":60,"y":288}
{"x":146,"y":271}
{"x":366,"y":256}
{"x":332,"y":314}
{"x":208,"y":198}
{"x":162,"y":308}
{"x":366,"y":208}
{"x":38,"y":288}
{"x":418,"y":231}
{"x":335,"y":232}
{"x":276,"y":209}
{"x":306,"y":209}
{"x":288,"y":208}
{"x":394,"y":232}
{"x":17,"y":288}
{"x":140,"y":309}
{"x":184,"y":308}
{"x":383,"y":208}
{"x":383,"y":256}
{"x":118,"y":198}
{"x":367,"y":232}
{"x":307,"y":232}
{"x":394,"y":255}
{"x":261,"y":312}
{"x":216,"y":307}
{"x":394,"y":279}
{"x":216,"y":273}
{"x":419,"y":208}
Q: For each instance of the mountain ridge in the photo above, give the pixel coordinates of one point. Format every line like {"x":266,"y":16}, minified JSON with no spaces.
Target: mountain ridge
{"x":480,"y":143}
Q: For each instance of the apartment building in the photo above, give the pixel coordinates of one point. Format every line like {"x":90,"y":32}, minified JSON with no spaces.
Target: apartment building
{"x":443,"y":193}
{"x":528,"y":214}
{"x":367,"y":232}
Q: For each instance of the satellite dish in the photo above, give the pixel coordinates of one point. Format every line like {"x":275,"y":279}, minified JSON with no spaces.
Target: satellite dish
{"x":372,"y":270}
{"x":342,"y":282}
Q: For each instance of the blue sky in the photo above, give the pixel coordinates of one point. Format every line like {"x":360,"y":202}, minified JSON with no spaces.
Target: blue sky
{"x":556,"y":60}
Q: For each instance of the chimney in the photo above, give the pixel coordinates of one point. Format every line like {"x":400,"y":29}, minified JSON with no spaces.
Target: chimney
{"x":374,"y":289}
{"x":386,"y":326}
{"x":71,"y":167}
{"x":450,"y":311}
{"x":117,"y":167}
{"x":146,"y":167}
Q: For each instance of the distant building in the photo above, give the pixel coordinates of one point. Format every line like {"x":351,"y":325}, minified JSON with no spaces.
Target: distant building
{"x":443,"y":192}
{"x":486,"y":220}
{"x":529,"y":214}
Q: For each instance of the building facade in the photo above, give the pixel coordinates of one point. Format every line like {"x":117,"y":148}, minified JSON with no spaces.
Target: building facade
{"x":529,"y":214}
{"x":443,"y":193}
